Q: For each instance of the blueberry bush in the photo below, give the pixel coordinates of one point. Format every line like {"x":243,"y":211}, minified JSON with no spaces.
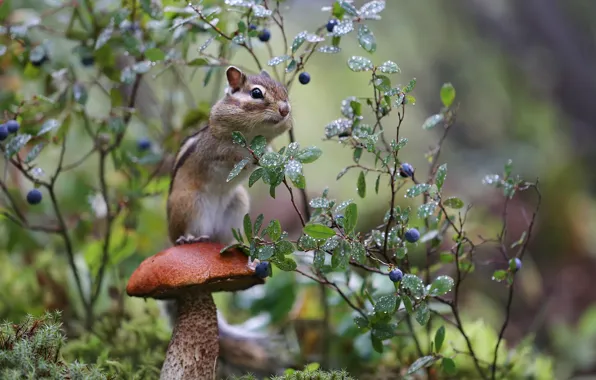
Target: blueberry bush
{"x":87,"y":147}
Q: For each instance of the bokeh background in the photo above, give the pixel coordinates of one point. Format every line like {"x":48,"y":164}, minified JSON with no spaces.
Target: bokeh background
{"x":525,"y":77}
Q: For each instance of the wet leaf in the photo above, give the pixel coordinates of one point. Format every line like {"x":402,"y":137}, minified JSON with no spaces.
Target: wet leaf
{"x":258,"y":145}
{"x":453,"y":202}
{"x":287,"y":264}
{"x":328,"y":49}
{"x":265,"y":252}
{"x":422,"y":314}
{"x":361,"y":185}
{"x":237,"y":169}
{"x":441,"y":285}
{"x":309,"y":154}
{"x":277,"y":60}
{"x":318,"y":231}
{"x":48,"y":126}
{"x":357,"y":63}
{"x":15,"y":144}
{"x":414,"y":284}
{"x":358,"y":252}
{"x":34,"y":152}
{"x":351,"y":217}
{"x":372,"y":8}
{"x":427,"y":209}
{"x":423,"y":362}
{"x":389,"y":67}
{"x":366,"y":39}
{"x":298,"y":41}
{"x":416,"y":190}
{"x":386,"y":304}
{"x":273,"y":229}
{"x":433,"y":121}
{"x":238,"y":138}
{"x":440,"y":176}
{"x":337,"y":127}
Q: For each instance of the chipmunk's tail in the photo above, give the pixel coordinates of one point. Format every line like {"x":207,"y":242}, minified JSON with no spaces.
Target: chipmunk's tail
{"x":243,"y":349}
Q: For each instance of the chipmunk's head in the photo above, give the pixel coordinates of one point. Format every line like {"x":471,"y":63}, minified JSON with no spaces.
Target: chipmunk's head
{"x":253,"y":104}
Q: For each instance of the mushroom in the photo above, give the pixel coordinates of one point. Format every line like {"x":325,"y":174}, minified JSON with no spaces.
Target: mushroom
{"x":189,"y":274}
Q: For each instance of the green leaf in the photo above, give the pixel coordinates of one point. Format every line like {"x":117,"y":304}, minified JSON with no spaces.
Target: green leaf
{"x":318,"y":231}
{"x":377,"y":344}
{"x":273,"y":230}
{"x":294,"y":171}
{"x":407,"y":303}
{"x":319,"y":259}
{"x":453,"y":202}
{"x":433,"y":121}
{"x":377,"y":183}
{"x":348,"y":7}
{"x":366,"y":39}
{"x":287,"y":264}
{"x":277,"y":60}
{"x":440,"y":176}
{"x":439,"y":338}
{"x":361,"y":322}
{"x":15,"y":144}
{"x":155,"y":54}
{"x":383,"y":331}
{"x":237,"y":169}
{"x":423,"y":362}
{"x":441,"y":285}
{"x":410,"y":86}
{"x":389,"y":67}
{"x":255,"y":176}
{"x":351,"y":217}
{"x":198,"y":62}
{"x":361,"y":185}
{"x":357,"y":154}
{"x":247,"y":227}
{"x":298,"y":41}
{"x":500,"y":275}
{"x":258,"y":145}
{"x":358,"y":252}
{"x":309,"y":154}
{"x":265,"y":252}
{"x":422,"y":313}
{"x":449,"y":366}
{"x":416,"y":190}
{"x":258,"y":223}
{"x":357,"y":64}
{"x":386,"y":304}
{"x":238,"y":138}
{"x":48,"y":126}
{"x":414,"y":284}
{"x":447,"y":94}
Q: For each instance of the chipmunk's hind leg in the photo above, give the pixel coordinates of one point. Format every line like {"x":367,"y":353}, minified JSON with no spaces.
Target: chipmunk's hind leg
{"x":190,"y":239}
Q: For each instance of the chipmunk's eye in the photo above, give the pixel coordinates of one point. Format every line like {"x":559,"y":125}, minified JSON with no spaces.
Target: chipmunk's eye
{"x":256,"y":93}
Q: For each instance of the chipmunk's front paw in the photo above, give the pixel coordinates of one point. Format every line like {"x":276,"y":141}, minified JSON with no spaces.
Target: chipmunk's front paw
{"x":190,"y":239}
{"x":252,"y":265}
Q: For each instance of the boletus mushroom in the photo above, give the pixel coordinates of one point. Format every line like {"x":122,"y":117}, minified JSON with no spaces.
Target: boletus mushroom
{"x":189,"y":274}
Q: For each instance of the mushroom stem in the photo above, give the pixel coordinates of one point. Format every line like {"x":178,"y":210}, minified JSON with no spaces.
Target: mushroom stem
{"x":194,"y":347}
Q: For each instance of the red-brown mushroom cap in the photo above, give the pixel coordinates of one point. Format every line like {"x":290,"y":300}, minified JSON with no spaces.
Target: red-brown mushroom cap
{"x":188,"y":267}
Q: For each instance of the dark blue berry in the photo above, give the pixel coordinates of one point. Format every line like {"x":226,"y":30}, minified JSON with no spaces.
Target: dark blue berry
{"x":3,"y":132}
{"x":395,"y":275}
{"x":262,"y":269}
{"x":87,"y":60}
{"x":331,"y":24}
{"x":304,"y":77}
{"x":252,"y":27}
{"x":518,"y":264}
{"x":12,"y":126}
{"x":34,"y":196}
{"x":412,"y":235}
{"x":265,"y":35}
{"x":143,"y":143}
{"x":406,"y":170}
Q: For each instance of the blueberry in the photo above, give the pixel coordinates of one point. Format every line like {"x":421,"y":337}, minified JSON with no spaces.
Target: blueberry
{"x":518,"y":264}
{"x":87,"y":60}
{"x":143,"y":144}
{"x":262,"y":269}
{"x":34,"y":196}
{"x":304,"y":77}
{"x":12,"y":126}
{"x":252,"y":27}
{"x":412,"y":235}
{"x":3,"y":132}
{"x":331,"y":24}
{"x":406,"y":170}
{"x":395,"y":275}
{"x":265,"y":35}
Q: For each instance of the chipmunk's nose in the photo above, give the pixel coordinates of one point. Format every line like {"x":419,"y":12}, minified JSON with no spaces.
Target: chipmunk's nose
{"x":284,"y":108}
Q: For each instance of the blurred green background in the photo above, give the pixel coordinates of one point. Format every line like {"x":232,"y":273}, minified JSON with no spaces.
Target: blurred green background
{"x":525,"y":77}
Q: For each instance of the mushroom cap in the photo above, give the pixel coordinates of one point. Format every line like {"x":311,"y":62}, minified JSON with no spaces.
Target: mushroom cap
{"x":191,"y":267}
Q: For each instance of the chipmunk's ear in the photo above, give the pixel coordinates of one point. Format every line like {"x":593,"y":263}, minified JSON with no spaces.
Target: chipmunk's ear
{"x":265,"y":74}
{"x":236,"y":78}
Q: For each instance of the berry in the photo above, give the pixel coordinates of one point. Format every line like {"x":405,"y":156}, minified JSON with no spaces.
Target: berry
{"x":395,"y":275}
{"x":331,"y":24}
{"x":412,"y":235}
{"x":87,"y":60}
{"x":265,"y":35}
{"x":252,"y":27}
{"x":34,"y":196}
{"x":12,"y":126}
{"x":406,"y":170}
{"x":3,"y":132}
{"x":262,"y":269}
{"x":518,"y":264}
{"x":304,"y":77}
{"x":143,"y":144}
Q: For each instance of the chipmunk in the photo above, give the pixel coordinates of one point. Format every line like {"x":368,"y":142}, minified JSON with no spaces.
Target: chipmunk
{"x":202,"y":205}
